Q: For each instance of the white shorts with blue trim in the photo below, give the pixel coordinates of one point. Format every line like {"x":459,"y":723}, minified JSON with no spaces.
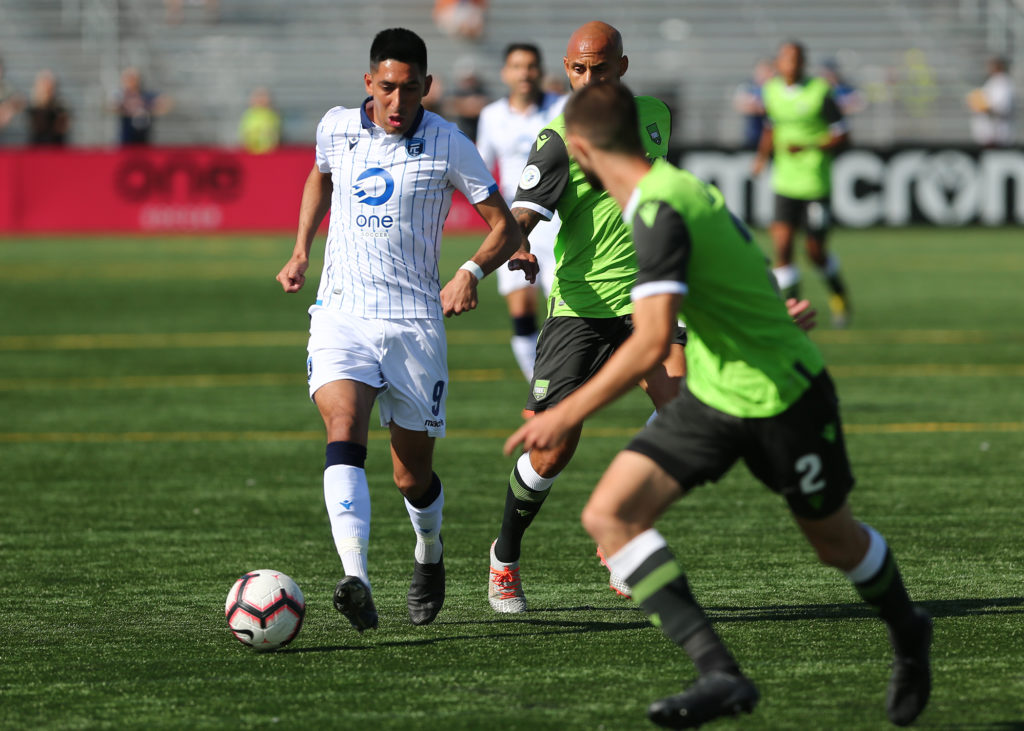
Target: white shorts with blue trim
{"x":406,"y":360}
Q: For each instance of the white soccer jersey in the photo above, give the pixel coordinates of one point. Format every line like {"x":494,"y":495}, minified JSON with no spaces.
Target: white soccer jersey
{"x":504,"y":136}
{"x":391,"y":197}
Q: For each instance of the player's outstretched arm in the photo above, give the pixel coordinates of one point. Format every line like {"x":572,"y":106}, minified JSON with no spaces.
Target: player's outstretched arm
{"x":654,"y":325}
{"x":503,"y":240}
{"x":316,"y":201}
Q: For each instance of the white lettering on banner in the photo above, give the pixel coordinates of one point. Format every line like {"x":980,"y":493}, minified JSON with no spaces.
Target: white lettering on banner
{"x":180,"y":217}
{"x":945,"y":187}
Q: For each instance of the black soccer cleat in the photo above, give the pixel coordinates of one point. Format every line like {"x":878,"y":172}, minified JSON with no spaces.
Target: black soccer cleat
{"x":713,"y":695}
{"x":352,"y":598}
{"x":911,"y":682}
{"x":426,"y":592}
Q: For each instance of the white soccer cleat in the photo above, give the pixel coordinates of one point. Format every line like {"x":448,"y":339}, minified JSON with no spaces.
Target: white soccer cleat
{"x":504,"y":589}
{"x":615,"y":582}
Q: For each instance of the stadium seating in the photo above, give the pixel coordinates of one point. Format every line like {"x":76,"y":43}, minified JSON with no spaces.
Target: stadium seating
{"x":914,"y":59}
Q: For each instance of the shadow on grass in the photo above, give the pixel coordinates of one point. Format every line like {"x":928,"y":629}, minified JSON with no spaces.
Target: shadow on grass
{"x":531,"y":624}
{"x":796,"y":612}
{"x":522,"y":626}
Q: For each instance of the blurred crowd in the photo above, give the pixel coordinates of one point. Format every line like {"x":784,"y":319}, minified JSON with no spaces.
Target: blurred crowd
{"x":460,"y":96}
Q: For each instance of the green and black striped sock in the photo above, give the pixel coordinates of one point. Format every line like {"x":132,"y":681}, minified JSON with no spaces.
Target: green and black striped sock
{"x":660,"y":587}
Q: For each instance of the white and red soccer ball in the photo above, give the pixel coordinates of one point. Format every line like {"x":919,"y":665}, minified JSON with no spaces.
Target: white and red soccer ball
{"x":265,"y":609}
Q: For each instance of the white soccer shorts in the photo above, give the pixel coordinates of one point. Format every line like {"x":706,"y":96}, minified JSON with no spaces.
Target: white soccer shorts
{"x":542,"y":245}
{"x":407,"y":360}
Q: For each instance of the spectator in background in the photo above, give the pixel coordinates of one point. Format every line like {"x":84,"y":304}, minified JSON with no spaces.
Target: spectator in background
{"x":260,"y":127}
{"x":467,"y":99}
{"x":847,"y":96}
{"x":10,"y":100}
{"x":137,"y":108}
{"x":460,"y":18}
{"x":747,"y":100}
{"x":992,"y":106}
{"x":48,"y":118}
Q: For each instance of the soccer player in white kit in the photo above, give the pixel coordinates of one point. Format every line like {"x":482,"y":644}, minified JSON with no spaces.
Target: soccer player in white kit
{"x":386,"y":172}
{"x":505,"y":134}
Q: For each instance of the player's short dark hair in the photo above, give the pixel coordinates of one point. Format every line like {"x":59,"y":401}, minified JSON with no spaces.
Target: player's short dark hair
{"x":398,"y":44}
{"x":605,"y":114}
{"x":528,"y":47}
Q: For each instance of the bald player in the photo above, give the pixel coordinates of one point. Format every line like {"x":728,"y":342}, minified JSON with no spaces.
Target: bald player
{"x":589,"y":308}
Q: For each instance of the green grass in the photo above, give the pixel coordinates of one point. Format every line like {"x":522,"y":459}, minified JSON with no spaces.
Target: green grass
{"x":143,"y":473}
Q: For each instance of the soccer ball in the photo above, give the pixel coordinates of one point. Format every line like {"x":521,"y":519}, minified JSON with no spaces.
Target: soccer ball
{"x":265,"y":609}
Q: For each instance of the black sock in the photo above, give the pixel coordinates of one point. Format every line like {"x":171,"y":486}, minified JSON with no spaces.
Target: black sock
{"x":660,"y":587}
{"x":521,"y":506}
{"x":886,"y":594}
{"x":524,"y":325}
{"x":835,"y":283}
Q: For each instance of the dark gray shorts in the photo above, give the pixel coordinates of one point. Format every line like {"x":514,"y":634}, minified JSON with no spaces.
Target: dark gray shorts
{"x":814,"y":214}
{"x":799,"y":453}
{"x":570,"y":350}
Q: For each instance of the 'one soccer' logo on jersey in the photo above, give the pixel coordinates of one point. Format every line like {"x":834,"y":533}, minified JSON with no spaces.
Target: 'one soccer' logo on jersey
{"x":368,"y":187}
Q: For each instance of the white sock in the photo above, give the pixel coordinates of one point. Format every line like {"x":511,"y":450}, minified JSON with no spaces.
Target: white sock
{"x":347,"y":497}
{"x":786,"y":276}
{"x":427,"y":523}
{"x":531,"y":478}
{"x":524,"y":348}
{"x":874,"y":557}
{"x":631,"y":556}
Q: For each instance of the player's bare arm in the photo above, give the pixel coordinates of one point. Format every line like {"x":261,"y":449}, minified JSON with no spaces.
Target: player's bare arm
{"x":316,"y":201}
{"x":654,"y":326}
{"x":503,"y":240}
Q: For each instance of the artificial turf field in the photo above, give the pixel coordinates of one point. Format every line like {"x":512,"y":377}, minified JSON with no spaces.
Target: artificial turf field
{"x":156,"y":442}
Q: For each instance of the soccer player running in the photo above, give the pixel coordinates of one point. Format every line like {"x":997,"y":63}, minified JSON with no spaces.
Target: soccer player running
{"x":756,"y":389}
{"x":386,"y":171}
{"x":805,"y":128}
{"x":589,"y":307}
{"x":505,"y":134}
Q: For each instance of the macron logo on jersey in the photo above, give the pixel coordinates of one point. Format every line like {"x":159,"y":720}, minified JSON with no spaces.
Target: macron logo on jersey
{"x":377,"y":181}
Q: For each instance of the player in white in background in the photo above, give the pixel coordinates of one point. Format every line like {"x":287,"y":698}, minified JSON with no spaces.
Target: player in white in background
{"x":506,"y":131}
{"x":387,"y":171}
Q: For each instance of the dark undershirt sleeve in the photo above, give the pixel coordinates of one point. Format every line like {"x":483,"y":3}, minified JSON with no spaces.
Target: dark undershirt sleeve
{"x":545,"y":176}
{"x":663,"y":245}
{"x":830,"y":111}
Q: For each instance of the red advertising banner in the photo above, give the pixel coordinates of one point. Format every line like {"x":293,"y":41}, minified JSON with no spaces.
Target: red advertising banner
{"x":161,"y":190}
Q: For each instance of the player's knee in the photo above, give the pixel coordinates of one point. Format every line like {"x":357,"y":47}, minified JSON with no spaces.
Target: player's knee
{"x":597,"y":520}
{"x":413,"y":483}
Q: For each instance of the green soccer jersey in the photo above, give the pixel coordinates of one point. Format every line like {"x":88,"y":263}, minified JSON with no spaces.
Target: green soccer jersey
{"x":744,"y":354}
{"x":596,"y":263}
{"x":801,"y":114}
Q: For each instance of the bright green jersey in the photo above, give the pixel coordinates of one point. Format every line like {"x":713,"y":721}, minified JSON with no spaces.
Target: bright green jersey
{"x":596,"y":264}
{"x":744,"y":354}
{"x":801,"y":115}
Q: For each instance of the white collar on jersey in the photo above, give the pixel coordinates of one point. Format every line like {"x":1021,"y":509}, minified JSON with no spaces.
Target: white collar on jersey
{"x":631,"y":205}
{"x":369,"y":123}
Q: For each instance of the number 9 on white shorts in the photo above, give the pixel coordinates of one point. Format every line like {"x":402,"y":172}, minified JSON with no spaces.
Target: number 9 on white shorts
{"x":407,"y":360}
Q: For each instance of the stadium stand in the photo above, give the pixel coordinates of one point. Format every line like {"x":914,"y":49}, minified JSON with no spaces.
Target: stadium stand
{"x":914,"y":59}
